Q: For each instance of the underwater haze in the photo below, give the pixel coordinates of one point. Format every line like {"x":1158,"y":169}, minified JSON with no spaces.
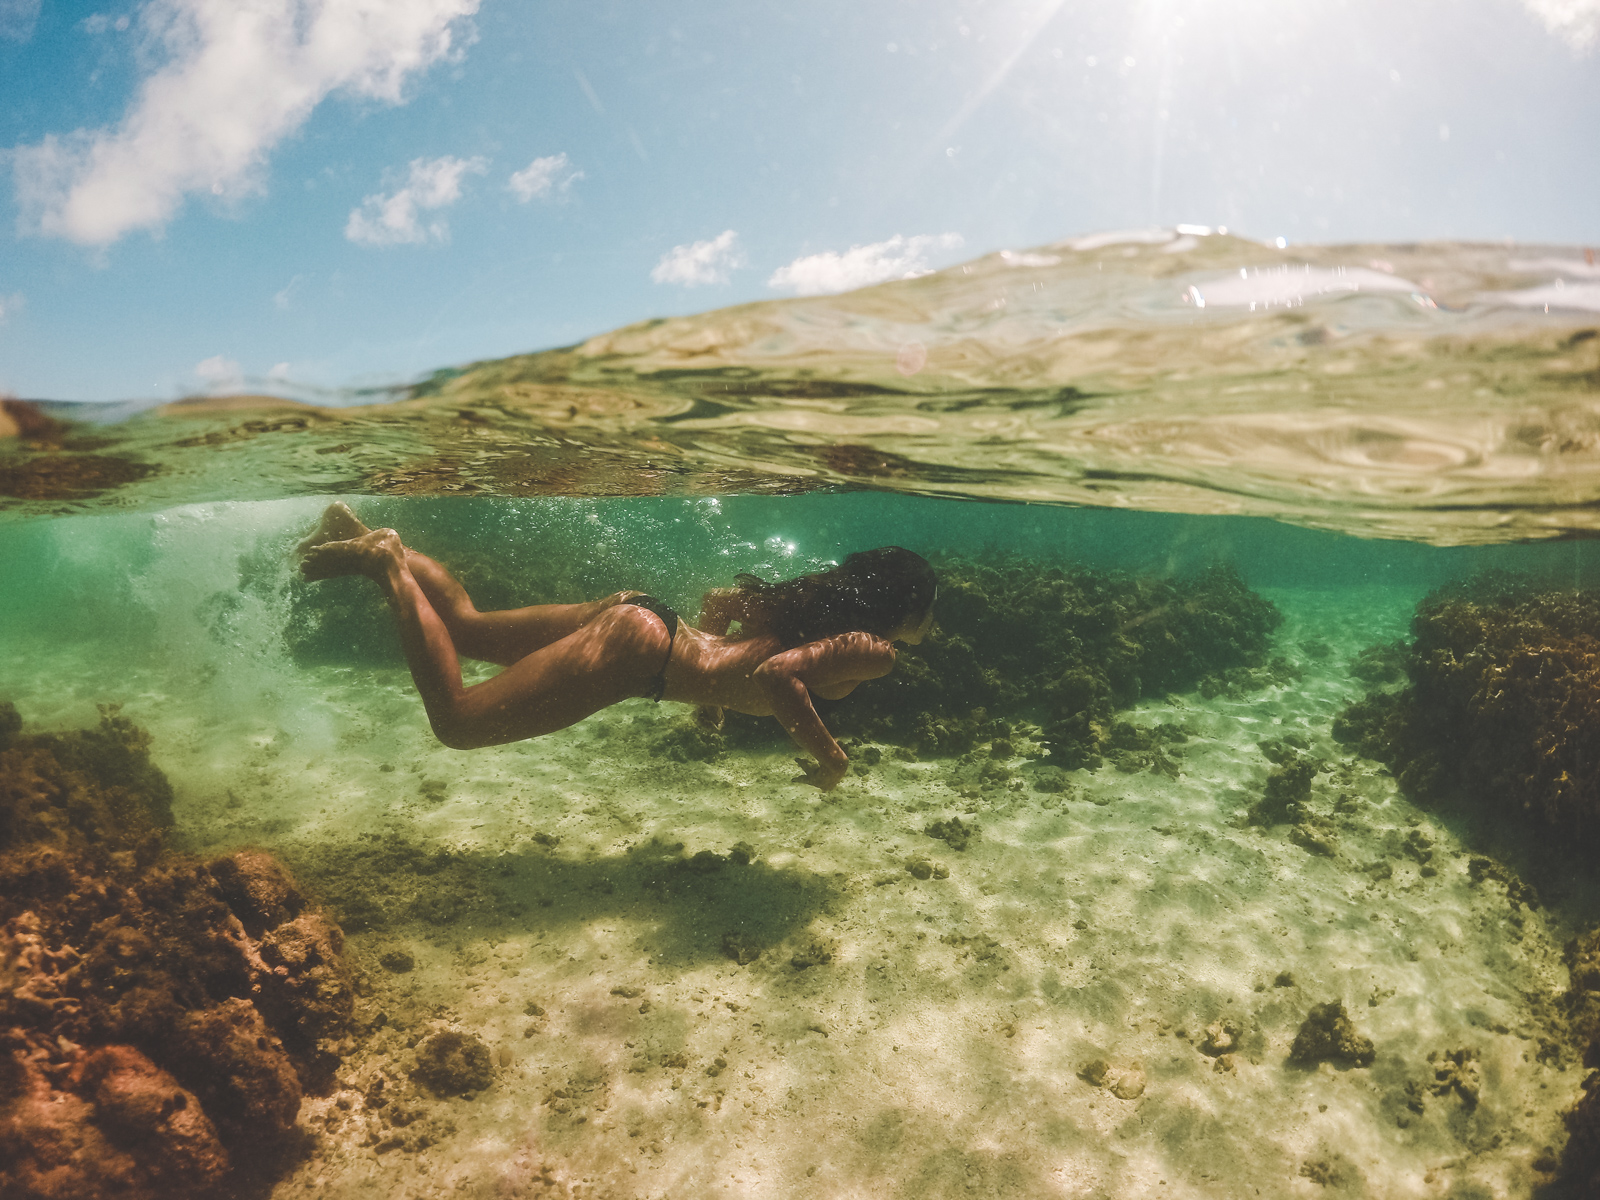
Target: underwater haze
{"x":1192,"y":856}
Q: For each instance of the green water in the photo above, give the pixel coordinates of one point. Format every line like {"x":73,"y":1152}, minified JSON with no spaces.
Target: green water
{"x":943,"y":1043}
{"x":314,"y":745}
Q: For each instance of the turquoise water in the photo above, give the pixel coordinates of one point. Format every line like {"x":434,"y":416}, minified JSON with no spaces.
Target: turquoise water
{"x":942,"y":1040}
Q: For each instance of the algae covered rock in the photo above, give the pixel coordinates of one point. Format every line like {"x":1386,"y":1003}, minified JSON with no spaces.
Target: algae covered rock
{"x":689,"y":741}
{"x":1288,"y":788}
{"x":1327,"y":1035}
{"x":1502,"y":704}
{"x":741,"y":947}
{"x":258,"y":890}
{"x":453,"y":1063}
{"x":124,"y":1127}
{"x":10,"y":723}
{"x":814,"y":951}
{"x":84,"y":790}
{"x":397,"y":960}
{"x":1066,"y":646}
{"x":160,"y":1017}
{"x":952,"y":832}
{"x":1580,"y":1161}
{"x":1456,"y":1071}
{"x":1052,"y":781}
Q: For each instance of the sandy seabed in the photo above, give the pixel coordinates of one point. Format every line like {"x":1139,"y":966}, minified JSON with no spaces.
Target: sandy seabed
{"x":703,"y":978}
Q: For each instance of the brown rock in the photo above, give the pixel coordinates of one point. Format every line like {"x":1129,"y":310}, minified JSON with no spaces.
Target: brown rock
{"x":240,"y":1071}
{"x":117,"y":1125}
{"x":453,"y":1063}
{"x":1222,"y":1037}
{"x":258,"y":889}
{"x":159,"y":1018}
{"x":1327,"y":1035}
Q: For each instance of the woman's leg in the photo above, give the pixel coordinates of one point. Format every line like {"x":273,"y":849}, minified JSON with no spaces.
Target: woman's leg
{"x":504,"y":636}
{"x":610,"y":658}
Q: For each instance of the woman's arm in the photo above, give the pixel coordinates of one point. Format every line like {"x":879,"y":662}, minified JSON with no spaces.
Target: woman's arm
{"x":831,"y":667}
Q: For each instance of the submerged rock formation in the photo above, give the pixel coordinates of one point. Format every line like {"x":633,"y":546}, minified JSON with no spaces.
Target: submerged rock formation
{"x":453,"y":1063}
{"x":160,"y":1017}
{"x":1501,"y":706}
{"x":1328,"y":1035}
{"x":1066,"y":647}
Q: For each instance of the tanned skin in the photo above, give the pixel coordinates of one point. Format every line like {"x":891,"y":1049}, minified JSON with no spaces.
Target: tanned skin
{"x":564,"y":662}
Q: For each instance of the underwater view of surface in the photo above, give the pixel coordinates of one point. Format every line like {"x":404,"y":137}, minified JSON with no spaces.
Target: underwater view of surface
{"x":1230,"y":834}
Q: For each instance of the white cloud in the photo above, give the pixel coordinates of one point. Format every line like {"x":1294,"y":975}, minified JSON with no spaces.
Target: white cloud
{"x":700,"y":262}
{"x":279,"y":372}
{"x":98,"y":23}
{"x":391,"y":220}
{"x":10,"y":306}
{"x":1576,"y":22}
{"x":17,"y":19}
{"x":860,"y":266}
{"x":219,"y":373}
{"x":239,"y":76}
{"x":284,"y":298}
{"x":543,"y":176}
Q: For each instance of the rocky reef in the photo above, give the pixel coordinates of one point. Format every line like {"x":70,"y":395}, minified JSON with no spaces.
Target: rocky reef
{"x":1065,"y":647}
{"x":160,"y":1016}
{"x":1501,"y":705}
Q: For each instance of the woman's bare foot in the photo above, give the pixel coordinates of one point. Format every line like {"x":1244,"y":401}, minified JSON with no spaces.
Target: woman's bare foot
{"x":371,"y":555}
{"x":338,"y":524}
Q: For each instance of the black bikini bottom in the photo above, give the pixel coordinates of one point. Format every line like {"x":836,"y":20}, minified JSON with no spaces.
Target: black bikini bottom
{"x":658,"y":686}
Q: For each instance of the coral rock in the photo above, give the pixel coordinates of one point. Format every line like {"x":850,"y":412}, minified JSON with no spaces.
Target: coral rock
{"x":453,"y":1063}
{"x":1328,"y":1036}
{"x":1069,"y":646}
{"x":1503,"y":704}
{"x":159,"y":1018}
{"x":240,"y":1070}
{"x":110,"y":1123}
{"x":258,"y":889}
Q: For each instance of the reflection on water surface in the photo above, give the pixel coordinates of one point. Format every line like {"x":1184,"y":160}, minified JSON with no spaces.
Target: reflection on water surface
{"x":1437,"y":392}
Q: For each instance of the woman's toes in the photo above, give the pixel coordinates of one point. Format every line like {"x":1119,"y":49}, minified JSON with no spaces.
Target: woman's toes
{"x":368,"y":554}
{"x":319,"y":563}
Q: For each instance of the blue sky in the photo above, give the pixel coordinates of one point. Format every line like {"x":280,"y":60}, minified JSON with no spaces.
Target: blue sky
{"x":225,"y":194}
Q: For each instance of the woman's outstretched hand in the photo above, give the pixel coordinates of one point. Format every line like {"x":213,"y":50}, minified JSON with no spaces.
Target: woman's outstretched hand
{"x":818,"y":775}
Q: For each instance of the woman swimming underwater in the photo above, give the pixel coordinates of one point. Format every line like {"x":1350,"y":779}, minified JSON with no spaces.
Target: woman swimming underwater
{"x":819,"y":634}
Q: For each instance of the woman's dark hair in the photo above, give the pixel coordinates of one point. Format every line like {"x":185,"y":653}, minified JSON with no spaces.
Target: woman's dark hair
{"x":873,"y":591}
